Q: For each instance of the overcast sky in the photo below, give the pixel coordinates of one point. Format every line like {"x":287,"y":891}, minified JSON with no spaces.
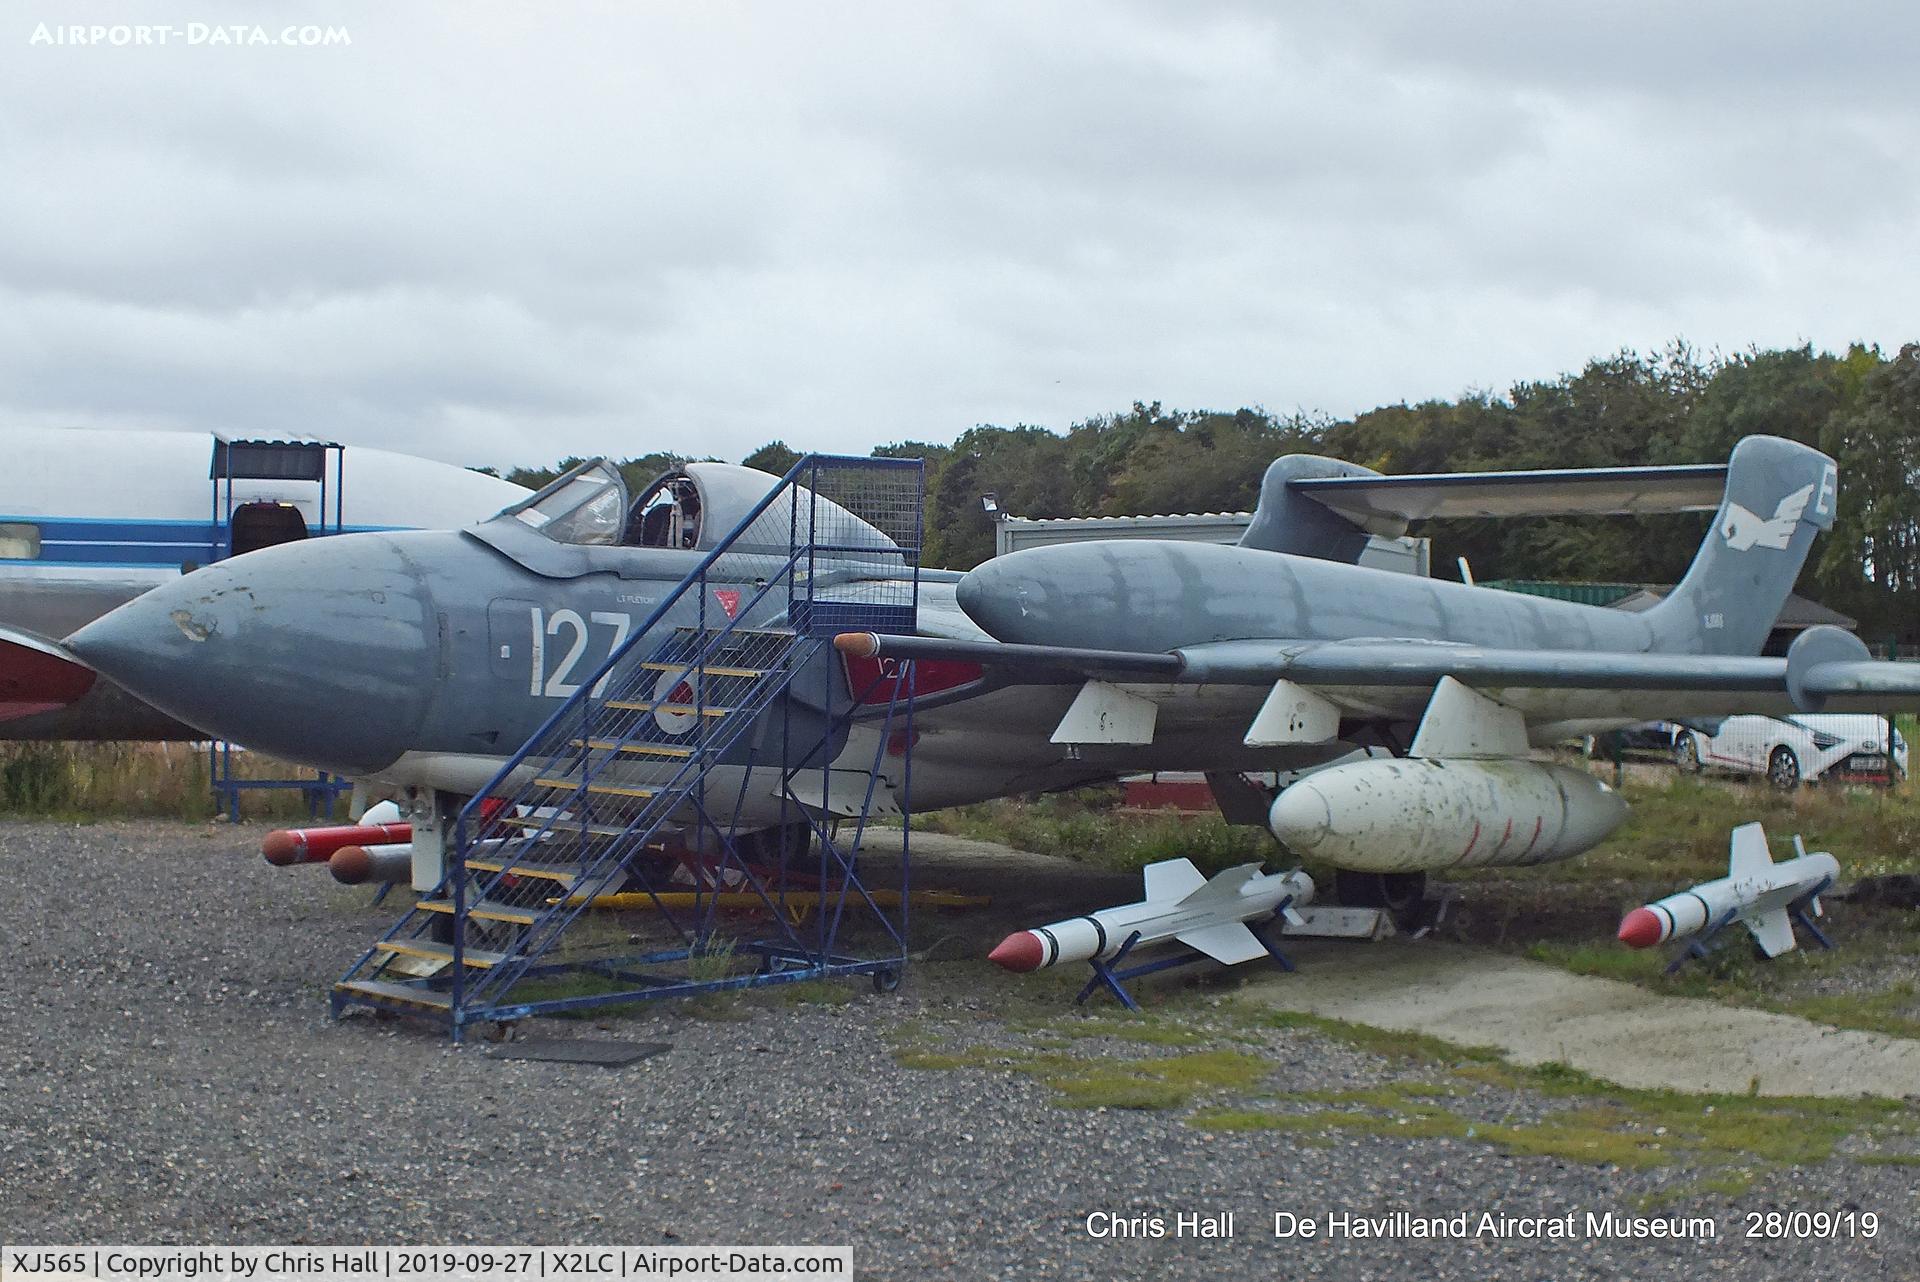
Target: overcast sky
{"x":503,"y":233}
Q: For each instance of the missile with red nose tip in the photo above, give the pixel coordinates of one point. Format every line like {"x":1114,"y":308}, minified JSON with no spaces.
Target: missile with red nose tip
{"x":357,"y":865}
{"x":381,"y":825}
{"x":1206,"y":914}
{"x":1756,"y":892}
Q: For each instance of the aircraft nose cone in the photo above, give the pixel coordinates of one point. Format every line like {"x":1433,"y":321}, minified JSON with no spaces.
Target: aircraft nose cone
{"x":320,"y":652}
{"x":1301,"y":818}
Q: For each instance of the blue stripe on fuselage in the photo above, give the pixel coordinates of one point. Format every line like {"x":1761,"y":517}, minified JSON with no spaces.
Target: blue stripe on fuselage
{"x":97,"y":541}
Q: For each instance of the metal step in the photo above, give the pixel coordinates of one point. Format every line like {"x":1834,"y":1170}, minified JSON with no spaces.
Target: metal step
{"x":566,"y":876}
{"x":655,"y":705}
{"x":444,"y":952}
{"x":398,"y":994}
{"x":559,"y":827}
{"x":633,"y":748}
{"x":491,"y":910}
{"x":687,"y":630}
{"x":598,"y":789}
{"x":703,"y":669}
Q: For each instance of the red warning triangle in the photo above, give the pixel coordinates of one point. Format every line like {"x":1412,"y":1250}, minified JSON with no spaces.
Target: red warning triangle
{"x":729,"y":599}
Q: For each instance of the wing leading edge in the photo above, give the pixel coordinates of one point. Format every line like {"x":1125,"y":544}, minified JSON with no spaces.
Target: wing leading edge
{"x":1825,"y":665}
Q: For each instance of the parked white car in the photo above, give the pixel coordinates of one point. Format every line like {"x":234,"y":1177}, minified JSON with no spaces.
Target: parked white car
{"x":1796,"y":749}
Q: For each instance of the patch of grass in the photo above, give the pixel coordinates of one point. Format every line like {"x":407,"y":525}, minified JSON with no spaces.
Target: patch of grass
{"x":815,"y":992}
{"x":1607,"y":961}
{"x":135,"y":780}
{"x":1081,"y":1081}
{"x":1676,"y":833}
{"x":1149,"y":1030}
{"x":946,"y":1061}
{"x":1731,"y":974}
{"x":1416,"y":1047}
{"x":1087,"y":825}
{"x":1731,"y":1137}
{"x":1604,"y":1124}
{"x":1887,"y":1011}
{"x":1888,"y":1159}
{"x":1389,"y":1095}
{"x":1102,"y":1087}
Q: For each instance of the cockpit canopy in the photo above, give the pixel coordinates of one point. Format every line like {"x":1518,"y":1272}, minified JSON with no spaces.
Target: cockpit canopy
{"x":690,"y":507}
{"x":587,"y":505}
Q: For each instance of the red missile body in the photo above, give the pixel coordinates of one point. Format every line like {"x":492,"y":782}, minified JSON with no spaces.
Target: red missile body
{"x":316,"y":845}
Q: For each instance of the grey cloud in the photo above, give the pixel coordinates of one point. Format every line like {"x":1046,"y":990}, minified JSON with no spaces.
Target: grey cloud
{"x":506,"y":235}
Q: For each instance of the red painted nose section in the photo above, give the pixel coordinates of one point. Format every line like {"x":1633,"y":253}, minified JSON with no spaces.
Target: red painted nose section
{"x":1640,"y":928}
{"x":1020,"y":953}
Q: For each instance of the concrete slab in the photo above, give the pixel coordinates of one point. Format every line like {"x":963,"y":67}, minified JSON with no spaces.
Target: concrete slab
{"x":1534,"y":1013}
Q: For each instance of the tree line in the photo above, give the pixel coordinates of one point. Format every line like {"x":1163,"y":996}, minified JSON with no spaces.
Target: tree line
{"x":1676,"y":406}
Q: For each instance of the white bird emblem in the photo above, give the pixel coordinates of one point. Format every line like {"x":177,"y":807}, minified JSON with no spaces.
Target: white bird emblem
{"x":1744,"y":529}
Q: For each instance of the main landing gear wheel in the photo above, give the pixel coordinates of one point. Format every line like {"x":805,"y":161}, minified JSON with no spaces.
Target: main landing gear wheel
{"x":1783,"y":769}
{"x":1402,"y":895}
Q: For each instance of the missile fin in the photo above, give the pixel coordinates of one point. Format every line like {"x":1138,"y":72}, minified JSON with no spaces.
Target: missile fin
{"x":1171,"y":879}
{"x":1229,"y":943}
{"x":1748,"y":853}
{"x":1223,"y":885}
{"x":1772,"y":931}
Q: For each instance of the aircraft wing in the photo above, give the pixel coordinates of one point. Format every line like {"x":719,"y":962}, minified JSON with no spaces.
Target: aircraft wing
{"x":1395,"y":678}
{"x":37,"y":675}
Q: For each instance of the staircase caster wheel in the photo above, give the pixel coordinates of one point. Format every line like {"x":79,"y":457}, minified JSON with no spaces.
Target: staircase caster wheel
{"x":886,"y":981}
{"x":500,"y":1030}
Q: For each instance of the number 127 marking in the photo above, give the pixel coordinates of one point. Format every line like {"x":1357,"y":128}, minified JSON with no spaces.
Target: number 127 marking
{"x":556,"y":685}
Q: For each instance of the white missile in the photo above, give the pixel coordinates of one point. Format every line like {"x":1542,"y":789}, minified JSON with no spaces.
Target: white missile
{"x":1410,"y":814}
{"x":355,"y":865}
{"x":1206,"y":914}
{"x":1756,"y":892}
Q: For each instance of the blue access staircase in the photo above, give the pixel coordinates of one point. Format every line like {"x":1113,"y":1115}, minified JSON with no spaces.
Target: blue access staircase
{"x":724,"y":709}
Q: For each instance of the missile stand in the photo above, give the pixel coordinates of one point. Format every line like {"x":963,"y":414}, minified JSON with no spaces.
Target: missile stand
{"x":1111,"y":974}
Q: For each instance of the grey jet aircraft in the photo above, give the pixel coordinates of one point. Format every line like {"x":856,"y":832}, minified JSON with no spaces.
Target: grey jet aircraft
{"x":424,"y":659}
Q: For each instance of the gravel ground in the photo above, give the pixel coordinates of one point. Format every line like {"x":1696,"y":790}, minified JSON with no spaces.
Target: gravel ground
{"x":168,"y":1074}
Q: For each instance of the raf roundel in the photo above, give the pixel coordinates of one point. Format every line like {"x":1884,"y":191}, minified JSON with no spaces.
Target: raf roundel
{"x":680,"y":689}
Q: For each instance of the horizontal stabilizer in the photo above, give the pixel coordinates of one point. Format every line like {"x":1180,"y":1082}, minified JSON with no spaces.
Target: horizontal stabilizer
{"x":1773,"y":931}
{"x":1229,"y":943}
{"x":1368,"y":501}
{"x":1171,"y":880}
